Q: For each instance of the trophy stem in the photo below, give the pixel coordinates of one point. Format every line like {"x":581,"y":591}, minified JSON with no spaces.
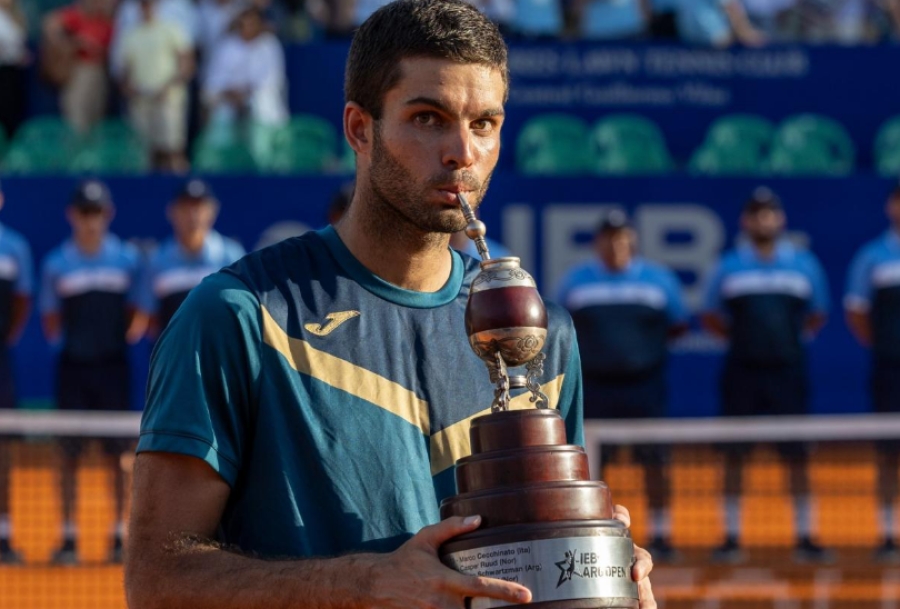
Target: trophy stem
{"x":476,"y":229}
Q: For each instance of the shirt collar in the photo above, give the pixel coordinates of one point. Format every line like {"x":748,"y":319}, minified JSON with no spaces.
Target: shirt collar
{"x":633,"y":268}
{"x":210,"y":250}
{"x":784,"y":250}
{"x":388,"y":291}
{"x":70,"y":249}
{"x":892,"y":240}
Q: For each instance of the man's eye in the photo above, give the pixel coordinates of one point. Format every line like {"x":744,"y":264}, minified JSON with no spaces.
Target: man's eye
{"x":483,"y":124}
{"x":425,"y":118}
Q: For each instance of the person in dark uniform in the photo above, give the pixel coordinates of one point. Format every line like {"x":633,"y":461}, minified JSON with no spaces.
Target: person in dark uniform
{"x":15,"y":304}
{"x":872,"y":308}
{"x":194,"y":251}
{"x":87,"y":302}
{"x":626,"y":309}
{"x":764,"y":298}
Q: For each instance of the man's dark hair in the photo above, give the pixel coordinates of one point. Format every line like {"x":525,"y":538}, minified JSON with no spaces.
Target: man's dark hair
{"x":441,"y":29}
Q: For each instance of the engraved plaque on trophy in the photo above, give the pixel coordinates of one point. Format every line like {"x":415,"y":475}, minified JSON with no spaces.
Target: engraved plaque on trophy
{"x":545,"y":523}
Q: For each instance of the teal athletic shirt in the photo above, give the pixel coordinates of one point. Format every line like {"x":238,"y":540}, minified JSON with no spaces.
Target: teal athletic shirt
{"x":333,"y":403}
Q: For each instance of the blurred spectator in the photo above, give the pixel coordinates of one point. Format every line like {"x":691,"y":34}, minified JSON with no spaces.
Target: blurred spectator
{"x":772,"y":18}
{"x":76,"y":44}
{"x":872,"y":306}
{"x":613,"y":19}
{"x":836,"y":21}
{"x":765,"y":298}
{"x":214,"y":21}
{"x":892,"y":8}
{"x":362,"y":9}
{"x":129,"y":15}
{"x":194,"y":251}
{"x":335,"y":17}
{"x":14,"y":57}
{"x":538,"y":18}
{"x":625,"y":310}
{"x":15,"y":305}
{"x":716,"y":23}
{"x":501,"y":12}
{"x":158,"y":63}
{"x":88,"y":292}
{"x":246,"y":80}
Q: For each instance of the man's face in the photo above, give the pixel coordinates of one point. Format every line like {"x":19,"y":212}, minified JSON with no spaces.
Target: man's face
{"x":764,"y":224}
{"x":191,"y":217}
{"x":250,"y":26}
{"x":89,"y":223}
{"x":616,"y":248}
{"x":439,"y":134}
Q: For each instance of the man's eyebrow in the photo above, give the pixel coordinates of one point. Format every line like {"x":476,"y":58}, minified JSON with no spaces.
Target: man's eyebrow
{"x":436,"y":103}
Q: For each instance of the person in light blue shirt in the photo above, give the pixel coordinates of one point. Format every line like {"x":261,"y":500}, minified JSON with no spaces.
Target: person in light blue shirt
{"x":194,"y":251}
{"x":716,"y":23}
{"x":88,"y":308}
{"x":626,"y":309}
{"x":15,"y":305}
{"x":766,"y":297}
{"x":872,"y":309}
{"x":613,"y":19}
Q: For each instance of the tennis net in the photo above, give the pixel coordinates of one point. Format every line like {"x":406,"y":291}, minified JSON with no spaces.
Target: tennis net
{"x":839,"y":454}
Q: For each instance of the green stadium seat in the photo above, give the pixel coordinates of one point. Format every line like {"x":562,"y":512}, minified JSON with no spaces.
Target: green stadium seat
{"x":115,"y":130}
{"x":735,"y":130}
{"x":112,"y":156}
{"x":307,"y":144}
{"x":228,"y":158}
{"x":629,"y":144}
{"x":727,"y":160}
{"x":887,"y":147}
{"x":44,"y":128}
{"x":553,"y":144}
{"x":36,"y":157}
{"x":812,"y":144}
{"x":888,"y":164}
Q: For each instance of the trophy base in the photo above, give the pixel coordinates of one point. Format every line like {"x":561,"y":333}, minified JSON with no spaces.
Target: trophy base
{"x":574,"y":564}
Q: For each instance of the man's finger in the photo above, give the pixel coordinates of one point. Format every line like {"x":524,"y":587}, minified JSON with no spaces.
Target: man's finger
{"x":643,"y":564}
{"x":620,"y":512}
{"x":645,"y":593}
{"x":488,"y":587}
{"x":436,"y":534}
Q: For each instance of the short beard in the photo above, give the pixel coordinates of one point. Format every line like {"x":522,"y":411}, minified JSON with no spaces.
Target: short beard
{"x":394,"y":197}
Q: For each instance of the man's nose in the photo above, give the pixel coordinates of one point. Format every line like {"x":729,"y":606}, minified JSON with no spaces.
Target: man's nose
{"x":459,"y":149}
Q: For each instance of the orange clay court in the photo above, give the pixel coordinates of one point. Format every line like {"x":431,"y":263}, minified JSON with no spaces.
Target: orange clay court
{"x":843,"y":479}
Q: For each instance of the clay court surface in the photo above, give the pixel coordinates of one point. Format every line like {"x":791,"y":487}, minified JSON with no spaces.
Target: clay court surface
{"x":843,"y":480}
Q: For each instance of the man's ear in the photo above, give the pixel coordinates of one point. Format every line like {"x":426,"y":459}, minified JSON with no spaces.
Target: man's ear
{"x":358,"y":125}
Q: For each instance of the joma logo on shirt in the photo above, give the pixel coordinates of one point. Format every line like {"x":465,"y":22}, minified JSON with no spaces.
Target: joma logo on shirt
{"x":334,"y":320}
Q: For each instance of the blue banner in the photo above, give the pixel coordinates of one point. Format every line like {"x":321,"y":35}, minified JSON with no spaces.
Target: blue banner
{"x":682,"y":88}
{"x":684,"y":223}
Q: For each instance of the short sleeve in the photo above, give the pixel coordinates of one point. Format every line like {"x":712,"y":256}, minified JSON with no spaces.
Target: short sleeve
{"x":49,"y":299}
{"x":136,"y":273}
{"x":25,"y":281}
{"x":712,"y":292}
{"x":820,"y":301}
{"x":859,"y":284}
{"x":202,"y":387}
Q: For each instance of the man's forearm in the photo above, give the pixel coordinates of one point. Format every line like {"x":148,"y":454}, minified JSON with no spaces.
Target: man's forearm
{"x":198,"y":575}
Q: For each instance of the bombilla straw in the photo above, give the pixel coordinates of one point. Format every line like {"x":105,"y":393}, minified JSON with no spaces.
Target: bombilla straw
{"x":476,"y":229}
